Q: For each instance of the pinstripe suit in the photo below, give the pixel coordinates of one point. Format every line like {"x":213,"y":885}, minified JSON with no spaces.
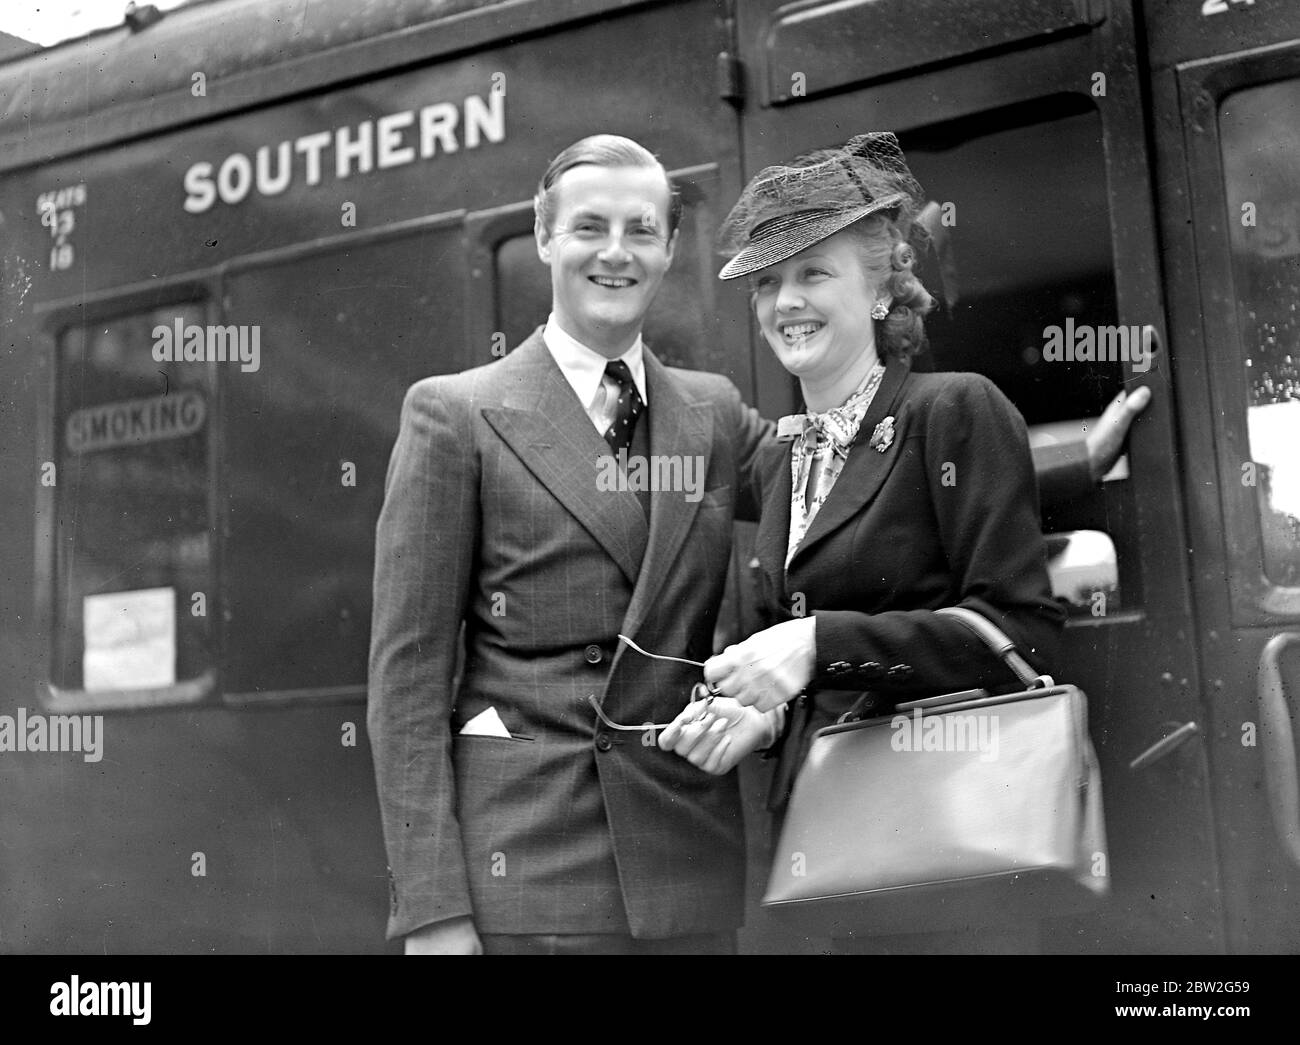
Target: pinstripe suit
{"x":492,"y":516}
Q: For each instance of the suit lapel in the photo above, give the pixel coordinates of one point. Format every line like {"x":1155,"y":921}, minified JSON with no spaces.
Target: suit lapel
{"x":774,"y":516}
{"x":681,"y":429}
{"x":549,"y":431}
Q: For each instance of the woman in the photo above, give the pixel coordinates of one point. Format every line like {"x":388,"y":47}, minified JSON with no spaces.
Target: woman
{"x":899,"y":493}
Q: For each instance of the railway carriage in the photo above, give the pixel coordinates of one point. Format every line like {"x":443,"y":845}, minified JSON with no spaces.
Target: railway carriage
{"x":233,"y":235}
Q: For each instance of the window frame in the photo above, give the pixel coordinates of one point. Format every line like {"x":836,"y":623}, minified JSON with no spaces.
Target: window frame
{"x":917,"y":102}
{"x":54,"y":320}
{"x":277,"y":257}
{"x":1254,"y":599}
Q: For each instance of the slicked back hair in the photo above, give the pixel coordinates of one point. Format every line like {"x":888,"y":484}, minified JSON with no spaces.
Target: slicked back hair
{"x":601,"y":150}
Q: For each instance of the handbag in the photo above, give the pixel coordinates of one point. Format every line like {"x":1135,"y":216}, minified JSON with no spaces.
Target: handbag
{"x":956,"y":811}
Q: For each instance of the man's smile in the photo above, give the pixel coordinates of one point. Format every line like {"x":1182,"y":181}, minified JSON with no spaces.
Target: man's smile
{"x":612,"y":282}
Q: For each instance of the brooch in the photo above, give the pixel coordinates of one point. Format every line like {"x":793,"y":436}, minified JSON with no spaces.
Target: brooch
{"x":883,"y":436}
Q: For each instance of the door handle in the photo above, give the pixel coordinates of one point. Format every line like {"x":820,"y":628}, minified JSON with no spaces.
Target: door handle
{"x":1278,"y":742}
{"x":1165,"y":745}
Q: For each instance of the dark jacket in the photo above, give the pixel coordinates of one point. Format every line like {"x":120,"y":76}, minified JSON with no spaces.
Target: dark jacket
{"x":945,"y":515}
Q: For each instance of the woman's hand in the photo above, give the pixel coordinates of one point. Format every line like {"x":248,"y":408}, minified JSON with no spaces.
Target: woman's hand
{"x":770,"y":667}
{"x":715,"y":735}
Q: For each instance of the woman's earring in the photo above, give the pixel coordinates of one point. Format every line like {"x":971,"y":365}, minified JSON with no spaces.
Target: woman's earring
{"x":879,"y":310}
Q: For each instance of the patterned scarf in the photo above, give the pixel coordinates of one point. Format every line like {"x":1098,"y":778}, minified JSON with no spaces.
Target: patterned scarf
{"x":825,"y":438}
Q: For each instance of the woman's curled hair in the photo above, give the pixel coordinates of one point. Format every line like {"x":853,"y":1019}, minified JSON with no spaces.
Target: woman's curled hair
{"x":888,"y":259}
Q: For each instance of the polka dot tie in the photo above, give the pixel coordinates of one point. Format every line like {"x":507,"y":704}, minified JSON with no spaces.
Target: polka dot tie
{"x":626,"y":411}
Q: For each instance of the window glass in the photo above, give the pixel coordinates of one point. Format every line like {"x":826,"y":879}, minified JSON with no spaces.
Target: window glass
{"x":1028,"y":220}
{"x":306,"y":440}
{"x":132,"y":533}
{"x":1260,"y":137}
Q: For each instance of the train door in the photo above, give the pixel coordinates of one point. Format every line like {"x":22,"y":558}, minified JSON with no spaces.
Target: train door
{"x":1227,"y":103}
{"x":1023,"y":119}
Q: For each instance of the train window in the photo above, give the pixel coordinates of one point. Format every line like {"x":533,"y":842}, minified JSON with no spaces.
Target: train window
{"x":523,"y":287}
{"x":132,"y":570}
{"x":305,"y":446}
{"x":1023,"y":198}
{"x":682,"y":325}
{"x":1260,"y":138}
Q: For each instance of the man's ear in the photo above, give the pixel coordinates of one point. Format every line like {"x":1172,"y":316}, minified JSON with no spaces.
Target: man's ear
{"x":543,"y":236}
{"x":672,"y":245}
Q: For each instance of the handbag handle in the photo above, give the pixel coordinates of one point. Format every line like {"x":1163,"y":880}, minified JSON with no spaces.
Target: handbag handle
{"x":1003,"y":648}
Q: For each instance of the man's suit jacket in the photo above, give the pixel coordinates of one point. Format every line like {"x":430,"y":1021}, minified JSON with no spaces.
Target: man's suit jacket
{"x":946,"y":514}
{"x":493,"y":516}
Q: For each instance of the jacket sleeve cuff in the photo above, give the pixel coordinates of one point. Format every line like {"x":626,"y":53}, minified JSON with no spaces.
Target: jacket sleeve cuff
{"x":421,"y":900}
{"x":850,"y":656}
{"x":1063,"y":472}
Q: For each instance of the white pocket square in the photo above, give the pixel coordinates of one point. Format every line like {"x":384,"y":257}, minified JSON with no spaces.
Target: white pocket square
{"x":485,"y":724}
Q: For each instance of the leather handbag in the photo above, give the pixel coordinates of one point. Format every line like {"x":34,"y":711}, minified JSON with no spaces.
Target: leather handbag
{"x":957,"y":811}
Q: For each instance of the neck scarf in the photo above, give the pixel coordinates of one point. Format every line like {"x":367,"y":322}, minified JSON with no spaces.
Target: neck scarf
{"x":825,"y":438}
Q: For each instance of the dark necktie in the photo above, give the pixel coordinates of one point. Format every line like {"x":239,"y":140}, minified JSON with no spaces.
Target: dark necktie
{"x":626,"y":411}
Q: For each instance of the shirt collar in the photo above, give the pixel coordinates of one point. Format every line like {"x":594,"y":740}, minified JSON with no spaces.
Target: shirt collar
{"x":583,"y":367}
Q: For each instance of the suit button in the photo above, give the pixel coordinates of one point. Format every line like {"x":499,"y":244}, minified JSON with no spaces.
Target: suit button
{"x":839,"y":667}
{"x":900,"y":672}
{"x":871,"y":667}
{"x":603,"y":743}
{"x":593,"y":654}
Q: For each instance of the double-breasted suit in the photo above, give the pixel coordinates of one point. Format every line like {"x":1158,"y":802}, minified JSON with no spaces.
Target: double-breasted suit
{"x":493,"y":516}
{"x":940,"y":511}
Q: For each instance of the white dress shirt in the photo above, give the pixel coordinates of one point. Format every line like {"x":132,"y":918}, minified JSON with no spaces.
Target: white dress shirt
{"x":584,"y":369}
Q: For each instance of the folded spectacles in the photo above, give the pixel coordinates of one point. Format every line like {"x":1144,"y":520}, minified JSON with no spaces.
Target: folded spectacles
{"x":700,"y":693}
{"x":660,"y":656}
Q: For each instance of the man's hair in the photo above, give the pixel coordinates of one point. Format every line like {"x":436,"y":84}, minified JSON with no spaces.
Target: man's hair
{"x":601,"y":150}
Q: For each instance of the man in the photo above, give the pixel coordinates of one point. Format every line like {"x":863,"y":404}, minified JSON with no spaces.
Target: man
{"x":516,"y":819}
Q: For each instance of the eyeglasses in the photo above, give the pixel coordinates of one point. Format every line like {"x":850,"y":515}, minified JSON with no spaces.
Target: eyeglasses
{"x":701,"y":694}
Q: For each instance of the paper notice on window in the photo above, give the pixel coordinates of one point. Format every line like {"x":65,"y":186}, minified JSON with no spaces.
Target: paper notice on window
{"x":130,"y":639}
{"x":1274,"y":430}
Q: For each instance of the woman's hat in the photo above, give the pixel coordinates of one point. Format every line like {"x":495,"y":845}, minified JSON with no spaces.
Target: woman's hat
{"x":784,"y":210}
